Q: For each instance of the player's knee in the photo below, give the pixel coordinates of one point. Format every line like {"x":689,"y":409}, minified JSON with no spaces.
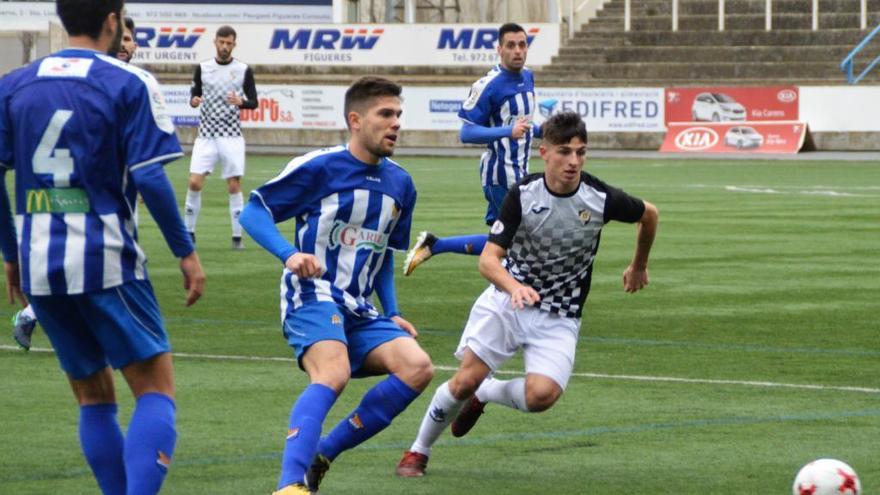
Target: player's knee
{"x":422,"y":372}
{"x":195,"y":184}
{"x":541,"y":398}
{"x":463,"y":386}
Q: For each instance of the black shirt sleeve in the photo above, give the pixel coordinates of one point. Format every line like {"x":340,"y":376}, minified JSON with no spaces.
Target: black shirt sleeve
{"x":621,"y":206}
{"x":509,"y":218}
{"x":250,"y":90}
{"x":196,"y":88}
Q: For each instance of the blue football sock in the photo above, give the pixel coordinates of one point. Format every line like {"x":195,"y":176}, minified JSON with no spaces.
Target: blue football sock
{"x":306,"y":419}
{"x":149,"y":444}
{"x":102,"y":444}
{"x":463,"y":244}
{"x":380,"y":405}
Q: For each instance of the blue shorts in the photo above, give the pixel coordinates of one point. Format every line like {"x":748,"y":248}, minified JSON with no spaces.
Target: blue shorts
{"x":120,"y":325}
{"x":495,"y":196}
{"x":323,"y":320}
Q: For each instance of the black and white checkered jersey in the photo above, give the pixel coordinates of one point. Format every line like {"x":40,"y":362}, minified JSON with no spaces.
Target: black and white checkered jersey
{"x":213,"y":81}
{"x":551,"y":240}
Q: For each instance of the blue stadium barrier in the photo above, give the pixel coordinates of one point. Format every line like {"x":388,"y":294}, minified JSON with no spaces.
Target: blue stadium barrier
{"x":847,"y":64}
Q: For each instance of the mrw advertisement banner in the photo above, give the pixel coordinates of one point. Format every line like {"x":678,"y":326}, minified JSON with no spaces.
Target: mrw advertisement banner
{"x":341,"y":44}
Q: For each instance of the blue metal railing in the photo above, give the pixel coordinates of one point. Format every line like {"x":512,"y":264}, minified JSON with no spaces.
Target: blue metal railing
{"x":847,"y":64}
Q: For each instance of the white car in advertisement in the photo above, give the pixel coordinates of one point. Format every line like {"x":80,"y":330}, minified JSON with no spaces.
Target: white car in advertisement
{"x":716,"y":107}
{"x":742,"y":137}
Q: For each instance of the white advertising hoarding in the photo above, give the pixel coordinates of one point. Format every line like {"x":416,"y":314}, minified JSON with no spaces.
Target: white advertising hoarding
{"x":841,"y":108}
{"x":341,"y":44}
{"x":36,"y":15}
{"x":434,"y":108}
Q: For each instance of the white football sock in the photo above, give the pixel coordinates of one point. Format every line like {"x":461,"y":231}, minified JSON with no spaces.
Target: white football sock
{"x":442,"y":410}
{"x":236,"y":201}
{"x":191,"y":210}
{"x":28,"y":312}
{"x":510,"y":393}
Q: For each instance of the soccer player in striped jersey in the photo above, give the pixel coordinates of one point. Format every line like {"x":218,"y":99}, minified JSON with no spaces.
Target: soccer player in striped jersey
{"x":84,"y":132}
{"x":539,"y":261}
{"x":25,"y":321}
{"x":498,"y":113}
{"x":352,"y":206}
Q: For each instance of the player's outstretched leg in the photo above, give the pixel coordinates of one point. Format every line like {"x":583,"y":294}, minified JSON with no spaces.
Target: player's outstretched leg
{"x":444,"y":406}
{"x":23,"y":323}
{"x":419,"y":253}
{"x":304,"y":431}
{"x":428,"y":245}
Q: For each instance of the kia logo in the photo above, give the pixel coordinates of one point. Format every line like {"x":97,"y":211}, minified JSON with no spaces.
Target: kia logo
{"x":696,"y":139}
{"x":786,"y":95}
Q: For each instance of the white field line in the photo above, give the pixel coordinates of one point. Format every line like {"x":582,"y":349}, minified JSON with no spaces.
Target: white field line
{"x":601,"y":376}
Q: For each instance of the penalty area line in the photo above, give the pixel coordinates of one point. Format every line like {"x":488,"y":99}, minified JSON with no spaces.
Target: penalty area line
{"x":598,"y":376}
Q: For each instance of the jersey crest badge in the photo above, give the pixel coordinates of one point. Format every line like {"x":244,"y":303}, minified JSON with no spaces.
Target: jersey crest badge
{"x":584,"y":215}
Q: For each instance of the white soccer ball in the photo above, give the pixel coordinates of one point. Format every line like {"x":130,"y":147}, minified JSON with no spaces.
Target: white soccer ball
{"x":826,"y":477}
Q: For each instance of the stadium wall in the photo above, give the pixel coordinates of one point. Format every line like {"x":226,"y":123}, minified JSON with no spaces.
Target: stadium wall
{"x":297,"y":116}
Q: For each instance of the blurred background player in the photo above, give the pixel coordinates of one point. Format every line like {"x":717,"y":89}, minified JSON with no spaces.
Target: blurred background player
{"x":128,"y":45}
{"x":221,"y":86}
{"x":25,"y":321}
{"x":353,"y":206}
{"x":498,"y":112}
{"x":84,"y":134}
{"x":547,"y":234}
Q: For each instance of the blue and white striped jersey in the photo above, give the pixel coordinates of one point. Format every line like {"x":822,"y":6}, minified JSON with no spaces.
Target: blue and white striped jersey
{"x":348,"y":213}
{"x":498,"y":100}
{"x":73,"y":126}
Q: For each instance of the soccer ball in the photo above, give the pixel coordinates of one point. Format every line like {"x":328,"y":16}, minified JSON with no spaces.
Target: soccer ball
{"x":826,"y":477}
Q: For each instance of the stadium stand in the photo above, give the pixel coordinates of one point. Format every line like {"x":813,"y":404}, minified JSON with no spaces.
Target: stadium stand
{"x":745,"y":53}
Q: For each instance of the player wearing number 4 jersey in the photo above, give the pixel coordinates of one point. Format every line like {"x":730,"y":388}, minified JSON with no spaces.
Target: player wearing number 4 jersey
{"x":84,"y":133}
{"x":539,"y":259}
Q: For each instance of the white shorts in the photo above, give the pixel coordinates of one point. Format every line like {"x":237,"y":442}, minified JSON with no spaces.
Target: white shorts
{"x":229,"y":151}
{"x":495,"y":331}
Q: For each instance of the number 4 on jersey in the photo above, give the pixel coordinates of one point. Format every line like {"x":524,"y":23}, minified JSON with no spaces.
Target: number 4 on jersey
{"x":49,"y":160}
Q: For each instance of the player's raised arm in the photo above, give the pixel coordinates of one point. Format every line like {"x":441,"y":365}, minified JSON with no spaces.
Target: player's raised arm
{"x":635,"y":277}
{"x":195,"y":90}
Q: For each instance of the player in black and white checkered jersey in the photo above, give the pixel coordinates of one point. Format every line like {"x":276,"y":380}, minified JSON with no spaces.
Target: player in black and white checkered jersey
{"x":222,"y":86}
{"x":539,"y":259}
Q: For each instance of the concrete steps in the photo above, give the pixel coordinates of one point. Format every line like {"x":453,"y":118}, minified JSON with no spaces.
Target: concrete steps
{"x":601,"y":53}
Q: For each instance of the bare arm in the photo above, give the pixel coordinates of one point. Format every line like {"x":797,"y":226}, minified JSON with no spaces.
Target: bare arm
{"x":635,"y":277}
{"x":494,"y":271}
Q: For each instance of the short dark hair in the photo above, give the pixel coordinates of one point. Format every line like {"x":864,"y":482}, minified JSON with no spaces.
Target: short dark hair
{"x":129,"y":24}
{"x":365,"y":89}
{"x":86,"y":17}
{"x":510,"y":27}
{"x":563,"y":127}
{"x":224,"y":31}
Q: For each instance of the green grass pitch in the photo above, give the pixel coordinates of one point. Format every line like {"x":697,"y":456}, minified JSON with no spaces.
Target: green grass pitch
{"x":764,"y":296}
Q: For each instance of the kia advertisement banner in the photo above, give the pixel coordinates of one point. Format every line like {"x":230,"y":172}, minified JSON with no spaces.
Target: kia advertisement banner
{"x":735,"y":137}
{"x":341,"y":44}
{"x":732,"y":104}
